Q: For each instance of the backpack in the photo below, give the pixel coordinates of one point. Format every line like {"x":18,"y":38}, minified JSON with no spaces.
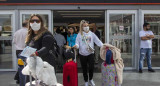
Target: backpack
{"x":54,"y":49}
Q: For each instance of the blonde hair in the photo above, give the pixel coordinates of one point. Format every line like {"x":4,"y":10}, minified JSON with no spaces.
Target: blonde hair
{"x":81,"y":26}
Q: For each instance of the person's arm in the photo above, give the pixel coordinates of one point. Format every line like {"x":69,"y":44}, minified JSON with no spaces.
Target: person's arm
{"x":67,"y":40}
{"x":14,"y":39}
{"x":67,"y":44}
{"x":143,"y":36}
{"x":77,"y":42}
{"x":46,"y":45}
{"x":151,"y":35}
{"x":97,"y":40}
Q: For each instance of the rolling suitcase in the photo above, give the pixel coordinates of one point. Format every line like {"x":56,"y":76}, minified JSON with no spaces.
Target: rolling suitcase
{"x":70,"y":75}
{"x":108,"y":69}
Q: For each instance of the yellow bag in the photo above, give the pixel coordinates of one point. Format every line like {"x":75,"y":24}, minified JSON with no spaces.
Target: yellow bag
{"x":20,"y":62}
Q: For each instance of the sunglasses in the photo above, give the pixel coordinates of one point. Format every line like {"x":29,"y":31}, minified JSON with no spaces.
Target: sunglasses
{"x":84,"y":21}
{"x":35,"y":20}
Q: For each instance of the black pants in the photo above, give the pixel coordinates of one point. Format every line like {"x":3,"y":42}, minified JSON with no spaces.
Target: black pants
{"x":87,"y":61}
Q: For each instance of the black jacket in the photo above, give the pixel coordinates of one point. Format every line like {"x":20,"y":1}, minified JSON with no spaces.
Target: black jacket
{"x":97,"y":33}
{"x":43,"y":46}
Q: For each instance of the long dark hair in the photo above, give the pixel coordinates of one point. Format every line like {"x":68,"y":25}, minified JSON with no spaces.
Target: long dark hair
{"x":40,"y":31}
{"x":69,"y":34}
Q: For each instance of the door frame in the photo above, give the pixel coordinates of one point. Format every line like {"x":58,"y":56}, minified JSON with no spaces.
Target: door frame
{"x":149,"y":12}
{"x":12,"y":13}
{"x":134,"y":58}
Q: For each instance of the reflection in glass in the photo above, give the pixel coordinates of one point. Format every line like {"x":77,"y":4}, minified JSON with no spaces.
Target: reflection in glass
{"x":154,"y":21}
{"x":5,"y":43}
{"x":44,"y":17}
{"x":121,"y":26}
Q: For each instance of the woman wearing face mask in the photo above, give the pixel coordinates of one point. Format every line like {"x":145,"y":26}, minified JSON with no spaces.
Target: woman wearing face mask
{"x":71,"y":37}
{"x":40,"y":38}
{"x":84,"y":41}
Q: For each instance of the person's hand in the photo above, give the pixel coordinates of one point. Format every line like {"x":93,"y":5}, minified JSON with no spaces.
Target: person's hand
{"x":34,"y":54}
{"x":68,"y":47}
{"x":75,"y":47}
{"x":148,"y":36}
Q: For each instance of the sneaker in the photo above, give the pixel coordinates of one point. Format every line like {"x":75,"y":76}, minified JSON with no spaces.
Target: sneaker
{"x":86,"y":83}
{"x":151,"y":70}
{"x":92,"y":82}
{"x":140,"y":71}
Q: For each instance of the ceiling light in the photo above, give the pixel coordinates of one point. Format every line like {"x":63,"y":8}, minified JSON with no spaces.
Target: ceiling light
{"x":80,"y":11}
{"x":79,"y":14}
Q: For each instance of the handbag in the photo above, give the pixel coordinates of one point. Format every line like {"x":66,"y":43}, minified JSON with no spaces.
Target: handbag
{"x":89,"y":48}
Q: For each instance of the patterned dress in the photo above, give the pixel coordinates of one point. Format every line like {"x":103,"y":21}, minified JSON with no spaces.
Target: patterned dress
{"x":109,"y":75}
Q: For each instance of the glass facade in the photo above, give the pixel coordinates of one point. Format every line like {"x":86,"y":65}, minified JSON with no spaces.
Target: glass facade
{"x":44,"y":17}
{"x":5,"y":41}
{"x":154,"y":21}
{"x":121,"y":30}
{"x":120,"y":34}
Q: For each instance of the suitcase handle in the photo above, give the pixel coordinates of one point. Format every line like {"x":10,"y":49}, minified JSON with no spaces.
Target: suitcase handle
{"x":75,"y":52}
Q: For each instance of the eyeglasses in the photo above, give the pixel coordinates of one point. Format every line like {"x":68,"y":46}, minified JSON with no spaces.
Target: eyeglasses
{"x":35,"y":20}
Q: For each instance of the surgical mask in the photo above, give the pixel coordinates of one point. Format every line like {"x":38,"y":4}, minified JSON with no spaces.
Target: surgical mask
{"x":35,"y":26}
{"x":86,"y":29}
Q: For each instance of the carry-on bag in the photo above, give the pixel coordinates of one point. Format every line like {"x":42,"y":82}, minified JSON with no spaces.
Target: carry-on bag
{"x":70,"y":75}
{"x":108,"y":69}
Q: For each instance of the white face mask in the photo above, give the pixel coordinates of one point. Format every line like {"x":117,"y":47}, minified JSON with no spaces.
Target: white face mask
{"x":35,"y":26}
{"x":86,"y":29}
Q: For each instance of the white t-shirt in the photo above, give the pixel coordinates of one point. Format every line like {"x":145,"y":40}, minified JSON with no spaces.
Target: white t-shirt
{"x":145,"y":43}
{"x":91,"y":38}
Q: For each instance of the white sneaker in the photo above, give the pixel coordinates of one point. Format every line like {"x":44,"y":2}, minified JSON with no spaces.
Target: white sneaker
{"x":92,"y":82}
{"x":86,"y":83}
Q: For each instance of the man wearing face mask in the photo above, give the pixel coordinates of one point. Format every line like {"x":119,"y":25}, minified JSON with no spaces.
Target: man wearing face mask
{"x":85,"y":43}
{"x":146,"y":47}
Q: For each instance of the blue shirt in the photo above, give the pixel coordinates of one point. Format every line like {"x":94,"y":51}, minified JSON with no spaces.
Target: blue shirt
{"x":71,"y":40}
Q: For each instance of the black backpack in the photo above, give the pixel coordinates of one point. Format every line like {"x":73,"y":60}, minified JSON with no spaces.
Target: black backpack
{"x":54,"y":49}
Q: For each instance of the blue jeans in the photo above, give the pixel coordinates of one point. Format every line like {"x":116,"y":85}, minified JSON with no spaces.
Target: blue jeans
{"x":145,"y":52}
{"x":22,"y":77}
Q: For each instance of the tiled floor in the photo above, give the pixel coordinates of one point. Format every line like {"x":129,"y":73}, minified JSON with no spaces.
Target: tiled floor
{"x":130,"y":79}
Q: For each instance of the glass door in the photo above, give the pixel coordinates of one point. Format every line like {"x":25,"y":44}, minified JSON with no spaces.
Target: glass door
{"x":7,"y":28}
{"x":153,"y":18}
{"x":120,"y":33}
{"x":45,"y":14}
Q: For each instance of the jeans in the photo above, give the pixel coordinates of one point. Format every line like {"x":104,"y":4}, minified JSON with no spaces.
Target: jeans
{"x":145,"y":52}
{"x":22,"y":77}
